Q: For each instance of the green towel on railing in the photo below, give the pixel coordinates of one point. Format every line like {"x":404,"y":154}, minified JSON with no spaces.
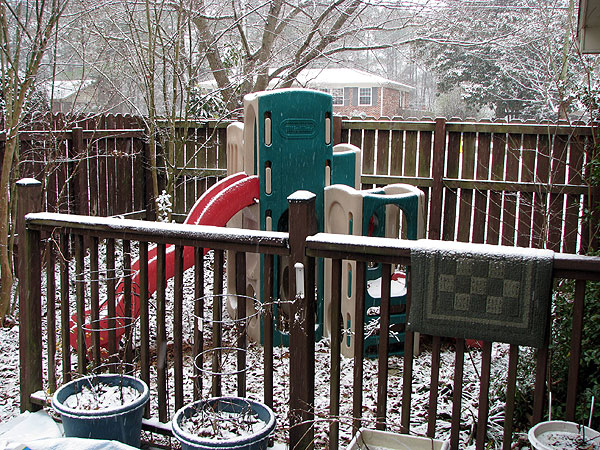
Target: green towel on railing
{"x":483,"y":292}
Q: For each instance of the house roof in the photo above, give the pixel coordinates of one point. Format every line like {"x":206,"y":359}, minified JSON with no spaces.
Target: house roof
{"x":333,"y":78}
{"x":65,"y":88}
{"x":344,"y":77}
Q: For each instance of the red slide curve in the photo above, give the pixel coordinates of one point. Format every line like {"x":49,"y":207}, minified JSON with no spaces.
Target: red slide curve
{"x":215,"y":207}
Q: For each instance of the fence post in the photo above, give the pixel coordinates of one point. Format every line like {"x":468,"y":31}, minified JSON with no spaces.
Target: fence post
{"x":29,"y":192}
{"x":149,"y":200}
{"x":437,"y":191}
{"x":302,"y":223}
{"x":337,"y":130}
{"x":78,"y":164}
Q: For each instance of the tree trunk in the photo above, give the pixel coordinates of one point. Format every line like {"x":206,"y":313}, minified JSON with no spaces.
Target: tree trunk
{"x":5,"y":261}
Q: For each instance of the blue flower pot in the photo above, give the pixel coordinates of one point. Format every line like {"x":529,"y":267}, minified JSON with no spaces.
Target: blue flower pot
{"x":255,"y":441}
{"x":121,"y":423}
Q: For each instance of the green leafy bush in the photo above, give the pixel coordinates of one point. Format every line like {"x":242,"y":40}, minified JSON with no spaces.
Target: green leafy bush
{"x":589,"y":372}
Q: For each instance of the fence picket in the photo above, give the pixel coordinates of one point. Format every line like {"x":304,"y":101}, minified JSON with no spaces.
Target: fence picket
{"x":466,"y":195}
{"x":557,"y":201}
{"x":383,"y":151}
{"x":481,"y":197}
{"x":452,"y":164}
{"x":513,"y":156}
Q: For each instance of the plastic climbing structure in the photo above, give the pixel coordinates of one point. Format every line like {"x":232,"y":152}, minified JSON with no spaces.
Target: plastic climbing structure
{"x":286,"y":144}
{"x":287,"y":140}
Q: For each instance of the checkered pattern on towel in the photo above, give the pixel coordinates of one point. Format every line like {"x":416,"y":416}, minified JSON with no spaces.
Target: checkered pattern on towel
{"x":481,"y":292}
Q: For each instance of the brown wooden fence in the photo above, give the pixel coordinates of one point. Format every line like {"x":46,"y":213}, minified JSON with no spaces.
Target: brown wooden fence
{"x":499,"y":183}
{"x":100,"y":165}
{"x":89,"y":165}
{"x":511,"y":184}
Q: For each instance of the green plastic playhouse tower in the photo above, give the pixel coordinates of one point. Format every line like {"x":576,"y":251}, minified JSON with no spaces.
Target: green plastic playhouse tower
{"x":286,"y":140}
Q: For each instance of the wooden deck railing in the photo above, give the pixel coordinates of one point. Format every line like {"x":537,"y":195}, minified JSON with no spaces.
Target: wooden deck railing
{"x":397,"y":252}
{"x":53,"y":232}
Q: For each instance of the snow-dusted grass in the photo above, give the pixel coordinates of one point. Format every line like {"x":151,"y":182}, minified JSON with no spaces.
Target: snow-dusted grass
{"x":255,"y":379}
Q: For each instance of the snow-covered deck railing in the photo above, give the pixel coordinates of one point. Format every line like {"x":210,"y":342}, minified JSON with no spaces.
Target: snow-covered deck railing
{"x":391,"y":252}
{"x":110,"y":259}
{"x":95,"y":257}
{"x":158,"y":232}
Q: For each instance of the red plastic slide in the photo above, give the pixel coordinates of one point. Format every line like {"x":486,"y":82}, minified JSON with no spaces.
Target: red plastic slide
{"x":215,"y":207}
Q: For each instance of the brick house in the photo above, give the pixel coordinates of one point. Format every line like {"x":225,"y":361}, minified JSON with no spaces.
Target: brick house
{"x":356,"y":92}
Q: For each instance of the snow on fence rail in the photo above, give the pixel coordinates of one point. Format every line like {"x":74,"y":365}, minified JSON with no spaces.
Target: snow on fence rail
{"x":303,"y":245}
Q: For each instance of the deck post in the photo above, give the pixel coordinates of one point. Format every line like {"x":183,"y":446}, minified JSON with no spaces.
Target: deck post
{"x":29,"y":192}
{"x":302,"y":223}
{"x":437,"y":191}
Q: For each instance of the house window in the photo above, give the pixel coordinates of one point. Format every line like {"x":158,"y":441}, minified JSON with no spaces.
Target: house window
{"x":338,"y":96}
{"x":365,"y":96}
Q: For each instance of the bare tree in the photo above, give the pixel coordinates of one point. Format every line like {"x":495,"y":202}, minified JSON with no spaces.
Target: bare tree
{"x":276,"y":39}
{"x":26,"y":30}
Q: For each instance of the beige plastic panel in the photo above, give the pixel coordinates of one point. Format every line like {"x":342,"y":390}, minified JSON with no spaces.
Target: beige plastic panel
{"x":342,"y":203}
{"x":250,"y":124}
{"x":391,"y":224}
{"x":240,"y":158}
{"x":349,"y":148}
{"x":235,"y":148}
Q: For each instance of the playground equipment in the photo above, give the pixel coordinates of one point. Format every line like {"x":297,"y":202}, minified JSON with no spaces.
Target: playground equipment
{"x":286,"y":140}
{"x":284,"y":145}
{"x":388,"y":212}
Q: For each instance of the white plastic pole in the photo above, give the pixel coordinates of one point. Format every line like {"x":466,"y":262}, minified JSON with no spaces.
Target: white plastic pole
{"x":299,"y":279}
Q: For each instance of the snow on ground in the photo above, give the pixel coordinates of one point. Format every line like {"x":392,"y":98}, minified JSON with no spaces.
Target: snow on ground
{"x":9,"y":393}
{"x":9,"y":373}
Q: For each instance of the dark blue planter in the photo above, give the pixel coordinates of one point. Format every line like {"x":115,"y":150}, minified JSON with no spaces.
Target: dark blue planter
{"x":122,"y":423}
{"x":256,"y":441}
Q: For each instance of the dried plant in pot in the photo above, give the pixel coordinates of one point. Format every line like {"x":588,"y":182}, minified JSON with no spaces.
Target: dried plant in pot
{"x":106,"y":406}
{"x":225,"y":423}
{"x":559,"y":434}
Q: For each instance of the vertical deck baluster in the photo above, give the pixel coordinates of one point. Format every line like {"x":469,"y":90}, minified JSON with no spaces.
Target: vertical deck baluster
{"x":111,"y":304}
{"x":240,"y":287}
{"x":95,"y":300}
{"x":409,"y":347}
{"x":384,"y":337}
{"x":80,"y":297}
{"x":127,"y":306}
{"x":539,"y":394}
{"x":484,"y":389}
{"x":541,"y":370}
{"x":576,"y":335}
{"x":198,"y":319}
{"x":144,"y":320}
{"x":434,"y":387}
{"x":65,"y":319}
{"x":217,"y":318}
{"x":459,"y":362}
{"x":51,"y":313}
{"x":511,"y":387}
{"x":359,"y":344}
{"x":178,"y":326}
{"x":161,"y":332}
{"x":334,"y":383}
{"x":268,"y":329}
